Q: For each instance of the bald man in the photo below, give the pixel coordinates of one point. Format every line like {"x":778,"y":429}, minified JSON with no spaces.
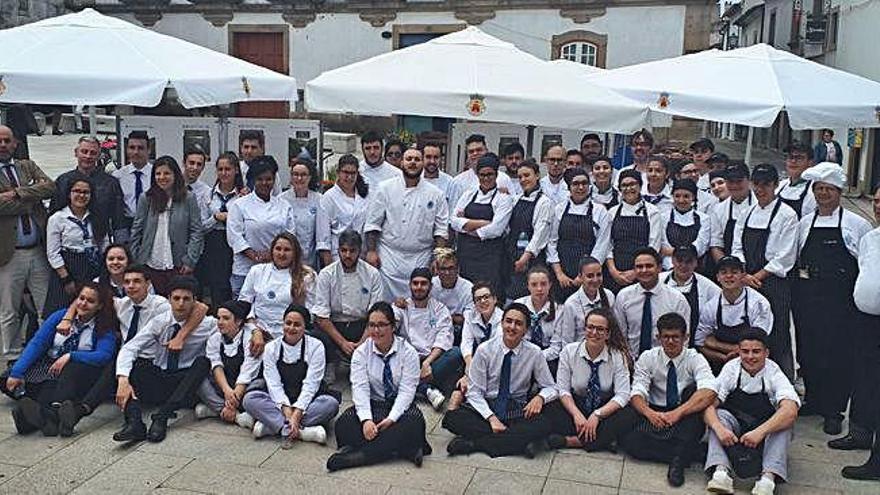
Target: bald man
{"x":23,"y":187}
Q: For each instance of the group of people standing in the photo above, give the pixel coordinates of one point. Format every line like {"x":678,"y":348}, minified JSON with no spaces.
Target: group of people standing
{"x":589,"y":308}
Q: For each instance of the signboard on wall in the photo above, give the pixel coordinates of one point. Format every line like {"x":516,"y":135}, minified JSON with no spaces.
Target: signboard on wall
{"x":172,"y":135}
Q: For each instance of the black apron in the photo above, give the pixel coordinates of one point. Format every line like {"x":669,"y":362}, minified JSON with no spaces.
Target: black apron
{"x":750,"y":411}
{"x":292,"y":375}
{"x":827,"y":274}
{"x":480,"y":259}
{"x":232,"y":365}
{"x":729,"y":334}
{"x":628,"y":234}
{"x":520,"y":231}
{"x":730,"y":227}
{"x":693,"y":298}
{"x":577,"y":237}
{"x":680,"y":235}
{"x":754,"y":241}
{"x":796,"y":204}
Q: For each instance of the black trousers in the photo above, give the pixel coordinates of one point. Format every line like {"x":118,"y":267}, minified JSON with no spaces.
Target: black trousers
{"x":864,"y":409}
{"x":468,"y":423}
{"x":682,"y":443}
{"x":104,"y":386}
{"x":169,"y":390}
{"x":352,"y":331}
{"x":72,"y":384}
{"x":404,"y":437}
{"x":215,"y":267}
{"x":608,"y":431}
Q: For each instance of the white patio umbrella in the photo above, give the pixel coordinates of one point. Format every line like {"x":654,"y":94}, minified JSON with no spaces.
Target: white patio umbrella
{"x":471,"y":75}
{"x":91,"y":59}
{"x":750,"y":86}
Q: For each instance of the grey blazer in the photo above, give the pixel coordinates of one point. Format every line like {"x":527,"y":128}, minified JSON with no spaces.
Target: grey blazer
{"x":184,"y":229}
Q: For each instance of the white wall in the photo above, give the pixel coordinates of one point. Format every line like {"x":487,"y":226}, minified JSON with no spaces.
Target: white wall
{"x":857,"y":38}
{"x":334,"y":40}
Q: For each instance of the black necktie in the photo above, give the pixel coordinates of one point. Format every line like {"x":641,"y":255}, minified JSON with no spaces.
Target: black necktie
{"x":224,"y":198}
{"x":174,"y":356}
{"x":133,"y":324}
{"x":138,"y":185}
{"x":645,"y":339}
{"x":672,"y":398}
{"x":25,"y":219}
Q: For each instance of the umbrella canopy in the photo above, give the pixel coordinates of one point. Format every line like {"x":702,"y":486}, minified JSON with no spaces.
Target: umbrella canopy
{"x":750,"y":86}
{"x":91,"y":59}
{"x":471,"y":75}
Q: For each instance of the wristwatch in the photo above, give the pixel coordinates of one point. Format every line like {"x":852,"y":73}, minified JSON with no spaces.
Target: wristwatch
{"x":598,"y":413}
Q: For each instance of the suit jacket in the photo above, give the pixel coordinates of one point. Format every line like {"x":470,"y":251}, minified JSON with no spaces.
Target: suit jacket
{"x":34,"y":187}
{"x":820,"y":152}
{"x":184,"y":230}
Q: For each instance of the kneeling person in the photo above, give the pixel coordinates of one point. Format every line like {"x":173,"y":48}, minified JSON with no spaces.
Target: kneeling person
{"x":499,"y":418}
{"x":754,"y":414}
{"x":296,"y":406}
{"x":171,"y":378}
{"x":671,"y":388}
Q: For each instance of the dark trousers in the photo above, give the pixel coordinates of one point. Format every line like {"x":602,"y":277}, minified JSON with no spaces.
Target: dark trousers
{"x":73,"y":383}
{"x":864,"y":409}
{"x":608,"y":431}
{"x":215,"y":267}
{"x":352,"y":331}
{"x":161,"y":280}
{"x":778,"y":292}
{"x":403,"y":438}
{"x":681,"y":442}
{"x":468,"y":423}
{"x":169,"y":390}
{"x":446,"y":370}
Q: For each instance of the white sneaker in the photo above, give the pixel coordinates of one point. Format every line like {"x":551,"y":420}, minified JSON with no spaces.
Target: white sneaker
{"x":764,"y":486}
{"x":314,"y":434}
{"x":436,"y":398}
{"x":244,"y":420}
{"x":203,"y":411}
{"x":260,"y":430}
{"x":721,"y":482}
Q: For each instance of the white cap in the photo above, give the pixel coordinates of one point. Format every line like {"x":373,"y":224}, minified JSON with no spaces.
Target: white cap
{"x":827,"y":172}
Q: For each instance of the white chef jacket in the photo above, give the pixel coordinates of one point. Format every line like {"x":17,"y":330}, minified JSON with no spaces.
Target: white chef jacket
{"x":558,"y":193}
{"x":852,"y":226}
{"x":502,"y":206}
{"x":790,"y":191}
{"x":542,"y":220}
{"x":732,"y":314}
{"x":250,"y":366}
{"x":457,"y":299}
{"x":601,"y":229}
{"x":686,"y":219}
{"x":782,"y":245}
{"x":721,"y":212}
{"x":253,"y":223}
{"x":769,"y":379}
{"x":267,"y":289}
{"x":314,"y":357}
{"x":337,"y":213}
{"x":305,"y":218}
{"x":374,"y":176}
{"x":425,"y":328}
{"x":465,"y":182}
{"x":341,"y":296}
{"x":655,"y":221}
{"x":867,"y":289}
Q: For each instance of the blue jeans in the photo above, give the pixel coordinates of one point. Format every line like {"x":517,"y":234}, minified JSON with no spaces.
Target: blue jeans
{"x":446,"y":371}
{"x":236,"y":282}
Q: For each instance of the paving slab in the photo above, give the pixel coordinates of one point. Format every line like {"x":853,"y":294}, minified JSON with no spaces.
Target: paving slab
{"x":587,"y":469}
{"x":139,"y":472}
{"x":433,"y":476}
{"x":539,"y":466}
{"x":184,"y":442}
{"x":566,"y":487}
{"x":8,"y":471}
{"x":651,"y":477}
{"x":490,"y":481}
{"x":304,"y":457}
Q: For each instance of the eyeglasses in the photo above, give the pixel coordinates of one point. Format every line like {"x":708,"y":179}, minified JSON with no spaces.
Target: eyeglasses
{"x":629,"y":185}
{"x":378,"y":325}
{"x":393,"y":153}
{"x":596,"y":328}
{"x":300,"y":175}
{"x":487,"y":175}
{"x":796,"y":158}
{"x":483,"y":298}
{"x":84,"y":192}
{"x":580,"y":183}
{"x":447,"y":269}
{"x":672,"y":338}
{"x":555,"y":160}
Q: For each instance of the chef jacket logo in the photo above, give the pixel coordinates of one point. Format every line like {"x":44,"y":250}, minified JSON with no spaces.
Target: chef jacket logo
{"x":246,"y":86}
{"x":313,"y":210}
{"x":430,"y":204}
{"x":2,"y":86}
{"x":663,"y":101}
{"x":477,"y":105}
{"x":271,"y":294}
{"x":364,"y":290}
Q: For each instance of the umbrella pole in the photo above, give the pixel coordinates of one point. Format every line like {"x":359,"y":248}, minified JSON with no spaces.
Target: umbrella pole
{"x":749,"y":139}
{"x":93,"y":121}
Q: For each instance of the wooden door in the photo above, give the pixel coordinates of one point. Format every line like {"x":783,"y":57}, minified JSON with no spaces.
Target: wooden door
{"x":266,"y":50}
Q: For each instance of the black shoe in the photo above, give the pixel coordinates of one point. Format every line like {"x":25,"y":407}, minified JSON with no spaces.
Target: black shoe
{"x":833,"y":425}
{"x":675,"y":473}
{"x":807,"y":410}
{"x":869,"y":471}
{"x":460,"y":446}
{"x":555,"y":441}
{"x":134,"y":431}
{"x":69,"y":415}
{"x":417,"y":457}
{"x":346,"y":460}
{"x":534,"y":448}
{"x":31,"y":412}
{"x":159,"y":427}
{"x":850,"y":442}
{"x":22,"y":426}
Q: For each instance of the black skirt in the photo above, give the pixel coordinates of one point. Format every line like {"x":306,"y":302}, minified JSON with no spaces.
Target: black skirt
{"x":81,"y":267}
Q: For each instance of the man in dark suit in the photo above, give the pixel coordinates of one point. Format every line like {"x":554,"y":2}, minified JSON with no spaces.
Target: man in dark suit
{"x":828,"y":150}
{"x":23,"y":187}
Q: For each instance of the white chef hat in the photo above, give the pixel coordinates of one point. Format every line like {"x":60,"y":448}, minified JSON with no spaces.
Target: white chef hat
{"x":827,"y":172}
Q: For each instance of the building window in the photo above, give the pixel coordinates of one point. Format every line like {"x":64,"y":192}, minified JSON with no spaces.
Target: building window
{"x":582,"y":53}
{"x":771,"y":33}
{"x":831,"y":30}
{"x":24,"y":7}
{"x":583,"y":47}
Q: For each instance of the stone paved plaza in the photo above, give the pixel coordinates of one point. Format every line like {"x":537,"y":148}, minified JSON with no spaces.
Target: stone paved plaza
{"x":210,"y":457}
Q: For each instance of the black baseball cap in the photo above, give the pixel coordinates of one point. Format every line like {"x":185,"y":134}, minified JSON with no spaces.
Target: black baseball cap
{"x":718,"y":157}
{"x":736,"y":170}
{"x":764,"y":172}
{"x":730,"y":262}
{"x":685,"y":253}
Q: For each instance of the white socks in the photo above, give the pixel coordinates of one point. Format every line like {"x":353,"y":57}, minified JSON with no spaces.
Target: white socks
{"x":315,"y":434}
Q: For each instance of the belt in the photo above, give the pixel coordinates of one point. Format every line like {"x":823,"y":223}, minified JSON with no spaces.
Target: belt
{"x":27,"y":247}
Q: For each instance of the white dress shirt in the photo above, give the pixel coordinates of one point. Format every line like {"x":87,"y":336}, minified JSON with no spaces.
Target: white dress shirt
{"x":686,"y":219}
{"x":426,"y":328}
{"x":472,"y":330}
{"x":267,"y":288}
{"x":573,"y":375}
{"x":782,"y":244}
{"x":305,"y":220}
{"x":337,"y":213}
{"x":314,"y":357}
{"x":527,"y":365}
{"x":153,"y":306}
{"x":342,"y":296}
{"x":253,"y":223}
{"x":502,"y":205}
{"x":705,"y":201}
{"x":577,"y":307}
{"x":721,"y":212}
{"x":656,"y":222}
{"x":367,"y":370}
{"x":458,"y":298}
{"x":467,"y":181}
{"x":804,"y":188}
{"x":374,"y":176}
{"x":852,"y":227}
{"x":628,"y":310}
{"x":443,"y":181}
{"x":662,"y":200}
{"x":203,"y":193}
{"x":161,"y":257}
{"x":558,"y":193}
{"x":127,"y":181}
{"x":601,"y":229}
{"x":555,"y":336}
{"x":214,"y":205}
{"x":649,"y":377}
{"x":250,"y":365}
{"x":733,"y":314}
{"x":770,"y":379}
{"x":542,"y":220}
{"x":867,"y":290}
{"x":87,"y":331}
{"x":153,"y":338}
{"x":62,"y":234}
